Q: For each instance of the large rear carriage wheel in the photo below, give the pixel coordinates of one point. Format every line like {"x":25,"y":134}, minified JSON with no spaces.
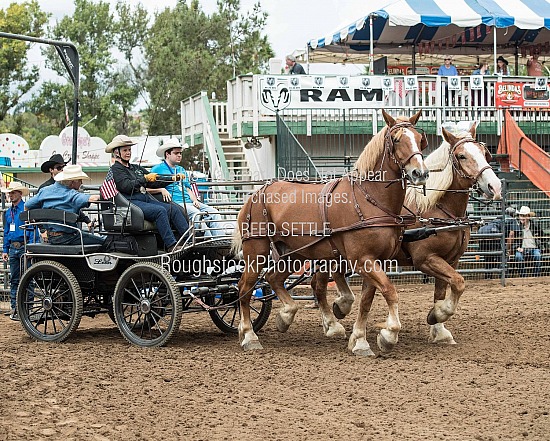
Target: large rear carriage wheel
{"x":147,"y":305}
{"x":227,"y":318}
{"x":49,"y":301}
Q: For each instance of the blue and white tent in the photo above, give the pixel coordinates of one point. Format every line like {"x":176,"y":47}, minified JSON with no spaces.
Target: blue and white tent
{"x":455,"y":27}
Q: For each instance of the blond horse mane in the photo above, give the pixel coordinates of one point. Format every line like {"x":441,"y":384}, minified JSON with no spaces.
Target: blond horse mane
{"x":373,"y":150}
{"x":440,"y":179}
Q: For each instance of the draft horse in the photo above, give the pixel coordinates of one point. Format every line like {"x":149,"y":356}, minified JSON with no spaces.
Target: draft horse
{"x":458,"y":164}
{"x":356,"y":218}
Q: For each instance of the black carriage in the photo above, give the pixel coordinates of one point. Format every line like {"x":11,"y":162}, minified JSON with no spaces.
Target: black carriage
{"x":143,"y":289}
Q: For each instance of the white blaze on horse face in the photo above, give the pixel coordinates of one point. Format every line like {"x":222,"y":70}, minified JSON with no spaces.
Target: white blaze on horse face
{"x":419,"y":172}
{"x":488,"y":181}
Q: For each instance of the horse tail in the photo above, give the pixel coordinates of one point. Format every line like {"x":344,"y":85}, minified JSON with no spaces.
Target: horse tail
{"x":236,"y":242}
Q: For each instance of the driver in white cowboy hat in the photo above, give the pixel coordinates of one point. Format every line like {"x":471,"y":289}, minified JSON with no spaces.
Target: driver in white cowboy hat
{"x":64,"y":195}
{"x":14,"y":238}
{"x":171,"y":152}
{"x":528,"y":245}
{"x":132,"y":181}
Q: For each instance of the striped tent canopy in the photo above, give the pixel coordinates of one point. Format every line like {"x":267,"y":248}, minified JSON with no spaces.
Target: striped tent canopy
{"x":436,"y":27}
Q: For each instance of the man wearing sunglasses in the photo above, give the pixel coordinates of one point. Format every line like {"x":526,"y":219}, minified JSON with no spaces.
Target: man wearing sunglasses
{"x":53,"y":166}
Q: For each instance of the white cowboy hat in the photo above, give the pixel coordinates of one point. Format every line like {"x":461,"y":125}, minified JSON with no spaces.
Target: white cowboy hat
{"x":16,"y":186}
{"x":120,"y":141}
{"x":71,"y":173}
{"x":525,"y":211}
{"x":172,"y":143}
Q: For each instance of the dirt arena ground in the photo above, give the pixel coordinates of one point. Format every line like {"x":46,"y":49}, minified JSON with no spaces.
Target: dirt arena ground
{"x":494,"y":384}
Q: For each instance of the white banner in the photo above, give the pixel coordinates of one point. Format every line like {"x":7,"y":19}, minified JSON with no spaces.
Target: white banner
{"x":476,"y":82}
{"x":279,"y":92}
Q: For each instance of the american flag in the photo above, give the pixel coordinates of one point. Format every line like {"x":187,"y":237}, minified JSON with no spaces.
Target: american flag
{"x":108,"y":188}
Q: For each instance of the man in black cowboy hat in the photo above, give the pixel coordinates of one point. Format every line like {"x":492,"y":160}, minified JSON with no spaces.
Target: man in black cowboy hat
{"x":53,"y":166}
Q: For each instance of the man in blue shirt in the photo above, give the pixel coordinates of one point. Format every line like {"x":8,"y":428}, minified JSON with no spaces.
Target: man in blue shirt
{"x":171,"y":152}
{"x":14,"y":239}
{"x":447,"y":70}
{"x":64,"y":195}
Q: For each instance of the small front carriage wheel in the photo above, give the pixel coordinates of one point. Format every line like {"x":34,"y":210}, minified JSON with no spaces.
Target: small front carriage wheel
{"x":49,"y":301}
{"x":147,"y":305}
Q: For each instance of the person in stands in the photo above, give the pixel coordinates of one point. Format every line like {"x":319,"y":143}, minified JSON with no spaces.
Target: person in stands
{"x":534,"y":66}
{"x":502,"y":67}
{"x":447,"y":69}
{"x":293,"y":67}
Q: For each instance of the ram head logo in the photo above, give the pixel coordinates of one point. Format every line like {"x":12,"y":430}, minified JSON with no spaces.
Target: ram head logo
{"x":366,"y":82}
{"x":319,"y":81}
{"x":294,"y":81}
{"x":270,"y":81}
{"x":454,"y":82}
{"x":387,"y":82}
{"x":410,"y":81}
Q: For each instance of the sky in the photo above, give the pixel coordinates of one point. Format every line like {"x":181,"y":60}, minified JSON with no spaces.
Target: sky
{"x":290,"y":24}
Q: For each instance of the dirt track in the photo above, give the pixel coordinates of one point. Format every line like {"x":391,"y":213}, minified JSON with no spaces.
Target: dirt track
{"x":493,"y":385}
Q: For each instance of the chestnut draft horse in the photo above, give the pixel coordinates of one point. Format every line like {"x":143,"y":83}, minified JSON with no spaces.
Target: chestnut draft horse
{"x":355,"y":218}
{"x":458,"y":164}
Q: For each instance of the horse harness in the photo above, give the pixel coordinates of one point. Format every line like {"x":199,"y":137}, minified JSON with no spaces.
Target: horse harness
{"x":390,"y":219}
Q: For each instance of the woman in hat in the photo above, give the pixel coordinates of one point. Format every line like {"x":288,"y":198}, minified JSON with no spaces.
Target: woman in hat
{"x":132,"y":181}
{"x":64,"y":195}
{"x":14,"y":238}
{"x":502,"y":67}
{"x":528,"y":244}
{"x":53,"y":166}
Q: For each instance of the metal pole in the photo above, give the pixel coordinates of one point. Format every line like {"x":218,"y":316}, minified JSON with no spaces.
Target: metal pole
{"x":371,"y":55}
{"x":503,"y":237}
{"x":495,"y":49}
{"x":69,"y":56}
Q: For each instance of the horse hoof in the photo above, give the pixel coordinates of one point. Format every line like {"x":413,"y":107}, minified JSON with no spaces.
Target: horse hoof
{"x":383,"y":343}
{"x":252,"y":345}
{"x":281,"y":325}
{"x":336,"y":331}
{"x":337,"y":311}
{"x":431,"y":319}
{"x":364,"y":352}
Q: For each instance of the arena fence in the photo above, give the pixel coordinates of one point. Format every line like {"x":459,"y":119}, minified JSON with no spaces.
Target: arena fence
{"x":489,"y":254}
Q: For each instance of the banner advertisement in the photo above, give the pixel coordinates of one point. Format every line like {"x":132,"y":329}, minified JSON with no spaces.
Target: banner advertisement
{"x":520,"y":95}
{"x":279,"y":92}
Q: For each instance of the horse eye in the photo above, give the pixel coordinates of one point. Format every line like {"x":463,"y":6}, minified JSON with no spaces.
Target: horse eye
{"x":461,"y":157}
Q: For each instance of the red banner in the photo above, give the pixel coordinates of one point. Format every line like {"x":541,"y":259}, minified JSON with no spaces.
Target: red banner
{"x":520,"y":95}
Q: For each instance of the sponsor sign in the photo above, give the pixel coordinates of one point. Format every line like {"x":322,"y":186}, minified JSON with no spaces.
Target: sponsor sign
{"x":520,"y":95}
{"x":279,"y":92}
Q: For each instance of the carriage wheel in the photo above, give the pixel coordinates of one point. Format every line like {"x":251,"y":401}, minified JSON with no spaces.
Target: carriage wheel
{"x":49,"y":301}
{"x":227,"y":319}
{"x":147,"y":305}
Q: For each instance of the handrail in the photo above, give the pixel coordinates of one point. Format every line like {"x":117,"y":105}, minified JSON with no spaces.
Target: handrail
{"x":213,"y":143}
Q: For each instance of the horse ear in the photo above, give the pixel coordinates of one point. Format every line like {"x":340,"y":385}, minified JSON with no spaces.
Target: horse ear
{"x":473,"y":130}
{"x":448,"y":136}
{"x":413,"y":119}
{"x":388,"y":118}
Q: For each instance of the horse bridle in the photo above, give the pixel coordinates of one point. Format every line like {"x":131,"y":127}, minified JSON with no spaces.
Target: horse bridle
{"x":456,"y":164}
{"x":389,"y":144}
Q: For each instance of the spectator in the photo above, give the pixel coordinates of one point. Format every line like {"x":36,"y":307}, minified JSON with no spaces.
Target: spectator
{"x":64,"y":195}
{"x":131,"y":181}
{"x":171,"y":152}
{"x":528,"y":241}
{"x":482,"y":70}
{"x":534,"y":66}
{"x":502,"y":67}
{"x":293,"y":67}
{"x":447,"y":70}
{"x":53,"y":166}
{"x":14,"y":239}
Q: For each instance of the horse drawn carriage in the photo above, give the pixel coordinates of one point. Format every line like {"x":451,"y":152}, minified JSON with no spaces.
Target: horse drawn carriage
{"x":144,"y":290}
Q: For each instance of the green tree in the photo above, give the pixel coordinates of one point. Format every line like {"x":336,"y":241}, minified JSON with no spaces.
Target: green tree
{"x":108,"y":86}
{"x":188,"y":51}
{"x":16,"y":77}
